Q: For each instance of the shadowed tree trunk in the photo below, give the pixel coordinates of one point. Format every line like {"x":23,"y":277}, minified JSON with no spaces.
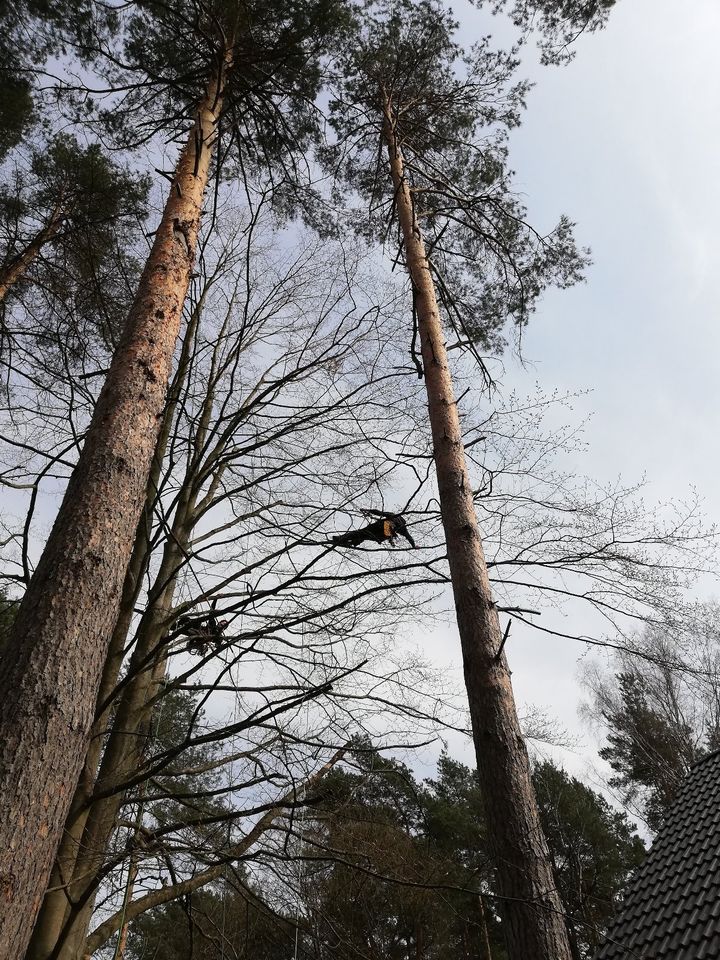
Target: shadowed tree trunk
{"x":63,"y":924}
{"x":487,"y":951}
{"x":61,"y":635}
{"x":533,"y":918}
{"x":15,"y":269}
{"x":122,"y":755}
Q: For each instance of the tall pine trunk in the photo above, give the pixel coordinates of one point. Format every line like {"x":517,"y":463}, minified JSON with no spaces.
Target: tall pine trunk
{"x":532,"y":912}
{"x":15,"y":269}
{"x":56,"y":905}
{"x":132,"y":711}
{"x":57,"y":649}
{"x":121,"y":759}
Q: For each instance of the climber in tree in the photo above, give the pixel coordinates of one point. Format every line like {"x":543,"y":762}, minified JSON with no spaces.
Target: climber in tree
{"x":202,"y":631}
{"x":385,"y":528}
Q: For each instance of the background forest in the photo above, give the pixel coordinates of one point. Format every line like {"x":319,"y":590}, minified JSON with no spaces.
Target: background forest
{"x":248,"y":250}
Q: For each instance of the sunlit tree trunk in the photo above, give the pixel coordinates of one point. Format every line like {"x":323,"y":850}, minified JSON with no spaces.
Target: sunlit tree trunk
{"x":532,"y":912}
{"x":60,"y":639}
{"x":55,"y":909}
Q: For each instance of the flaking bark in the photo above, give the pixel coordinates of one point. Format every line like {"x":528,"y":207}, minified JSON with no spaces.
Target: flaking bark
{"x":48,"y":687}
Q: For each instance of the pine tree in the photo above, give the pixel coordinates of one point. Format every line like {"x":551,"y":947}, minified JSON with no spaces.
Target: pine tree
{"x":593,"y":849}
{"x":74,"y":200}
{"x":244,"y":76}
{"x":32,"y":31}
{"x":649,"y":754}
{"x":440,"y":116}
{"x":396,"y":868}
{"x":658,"y":702}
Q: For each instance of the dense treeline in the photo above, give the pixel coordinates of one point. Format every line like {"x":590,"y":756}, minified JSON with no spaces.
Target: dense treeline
{"x":385,"y":866}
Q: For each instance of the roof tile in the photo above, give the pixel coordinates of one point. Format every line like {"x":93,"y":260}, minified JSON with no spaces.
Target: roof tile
{"x":671,"y":906}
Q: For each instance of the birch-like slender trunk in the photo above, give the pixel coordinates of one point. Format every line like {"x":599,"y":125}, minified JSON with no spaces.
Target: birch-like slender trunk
{"x":59,"y":641}
{"x":162,"y":895}
{"x":122,"y":942}
{"x":533,"y":919}
{"x":484,"y":934}
{"x":15,"y":269}
{"x":130,"y":883}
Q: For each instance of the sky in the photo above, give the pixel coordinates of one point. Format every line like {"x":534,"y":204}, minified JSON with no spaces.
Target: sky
{"x":626,"y":141}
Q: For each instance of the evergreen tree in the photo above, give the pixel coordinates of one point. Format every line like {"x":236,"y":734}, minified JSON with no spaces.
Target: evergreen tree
{"x":649,"y":755}
{"x":74,"y":200}
{"x":557,"y":23}
{"x":31,"y":32}
{"x":658,"y":703}
{"x":394,"y":868}
{"x":397,"y":869}
{"x":593,"y":848}
{"x":212,"y":925}
{"x":441,"y":116}
{"x":243,"y":78}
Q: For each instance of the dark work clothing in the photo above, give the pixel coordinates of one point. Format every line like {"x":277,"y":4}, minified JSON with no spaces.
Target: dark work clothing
{"x":385,"y":529}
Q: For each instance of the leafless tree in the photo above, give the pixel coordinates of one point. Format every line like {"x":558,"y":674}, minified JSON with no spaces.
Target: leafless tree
{"x":291,"y":412}
{"x":277,"y":408}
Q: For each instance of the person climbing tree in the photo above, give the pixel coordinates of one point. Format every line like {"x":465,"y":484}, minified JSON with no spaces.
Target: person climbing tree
{"x":201,"y":632}
{"x":383,"y":530}
{"x":412,"y":104}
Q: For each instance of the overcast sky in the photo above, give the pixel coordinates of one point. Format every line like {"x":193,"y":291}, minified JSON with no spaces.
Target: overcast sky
{"x":626,"y":140}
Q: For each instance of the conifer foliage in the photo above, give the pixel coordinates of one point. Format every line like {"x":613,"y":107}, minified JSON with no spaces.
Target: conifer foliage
{"x":422,"y":130}
{"x":197,"y":72}
{"x":237,"y":90}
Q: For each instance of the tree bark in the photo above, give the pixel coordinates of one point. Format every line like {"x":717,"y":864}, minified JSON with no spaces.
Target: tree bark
{"x":122,"y":756}
{"x":122,"y":942}
{"x":55,"y":909}
{"x":48,"y":690}
{"x":533,"y":917}
{"x":484,"y":935}
{"x":132,"y":717}
{"x":15,"y":269}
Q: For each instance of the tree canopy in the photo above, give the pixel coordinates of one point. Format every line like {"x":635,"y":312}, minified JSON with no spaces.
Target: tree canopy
{"x":389,"y":866}
{"x":223,"y":226}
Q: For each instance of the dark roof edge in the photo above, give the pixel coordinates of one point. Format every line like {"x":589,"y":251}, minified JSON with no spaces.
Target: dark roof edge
{"x":707,"y":756}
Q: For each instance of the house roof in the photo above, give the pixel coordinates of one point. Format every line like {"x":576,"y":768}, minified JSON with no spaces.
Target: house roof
{"x":671,"y":907}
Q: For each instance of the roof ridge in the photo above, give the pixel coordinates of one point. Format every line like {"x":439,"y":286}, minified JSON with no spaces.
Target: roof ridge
{"x":704,"y":757}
